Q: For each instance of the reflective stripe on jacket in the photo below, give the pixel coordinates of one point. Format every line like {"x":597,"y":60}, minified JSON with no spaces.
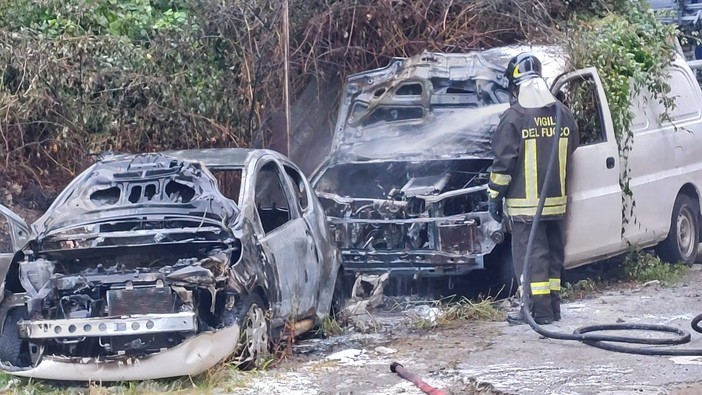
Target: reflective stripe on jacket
{"x":522,"y":146}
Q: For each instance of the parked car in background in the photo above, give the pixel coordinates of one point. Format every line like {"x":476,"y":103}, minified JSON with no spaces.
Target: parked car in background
{"x":405,"y":184}
{"x":159,"y":265}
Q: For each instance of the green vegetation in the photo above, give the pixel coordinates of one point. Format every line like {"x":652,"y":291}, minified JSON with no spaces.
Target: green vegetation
{"x":82,"y":77}
{"x":466,"y":309}
{"x":579,"y":289}
{"x":330,"y":327}
{"x":642,"y":266}
{"x":222,"y":378}
{"x":638,"y":266}
{"x":447,"y":311}
{"x":631,"y":50}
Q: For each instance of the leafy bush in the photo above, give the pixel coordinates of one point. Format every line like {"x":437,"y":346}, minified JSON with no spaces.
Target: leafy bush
{"x":631,"y":50}
{"x":130,"y":75}
{"x":140,"y":75}
{"x":643,"y":266}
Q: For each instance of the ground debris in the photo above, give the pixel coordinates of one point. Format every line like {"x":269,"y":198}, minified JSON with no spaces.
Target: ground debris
{"x":424,"y":313}
{"x":367,"y":293}
{"x":385,"y":350}
{"x":472,"y":387}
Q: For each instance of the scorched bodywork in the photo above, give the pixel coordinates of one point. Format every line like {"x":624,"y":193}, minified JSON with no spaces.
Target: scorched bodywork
{"x":405,"y":184}
{"x":148,"y":259}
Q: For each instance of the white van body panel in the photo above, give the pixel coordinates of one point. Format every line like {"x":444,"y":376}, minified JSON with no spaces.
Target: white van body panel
{"x":664,"y":161}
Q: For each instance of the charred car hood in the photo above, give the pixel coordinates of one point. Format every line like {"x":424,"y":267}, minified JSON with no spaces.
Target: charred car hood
{"x":454,"y":133}
{"x":150,"y":187}
{"x":430,"y":106}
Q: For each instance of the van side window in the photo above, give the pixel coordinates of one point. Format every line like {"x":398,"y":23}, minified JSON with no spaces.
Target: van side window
{"x":580,"y":95}
{"x":639,"y":107}
{"x":686,"y":104}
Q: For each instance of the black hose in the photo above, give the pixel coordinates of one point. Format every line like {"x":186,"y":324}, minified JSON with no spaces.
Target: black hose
{"x":585,"y":334}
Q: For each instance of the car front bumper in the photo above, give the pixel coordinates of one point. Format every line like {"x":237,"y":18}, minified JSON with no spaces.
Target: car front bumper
{"x":191,"y":357}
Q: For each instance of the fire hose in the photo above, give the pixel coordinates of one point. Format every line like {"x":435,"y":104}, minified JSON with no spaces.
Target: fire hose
{"x":586,"y":334}
{"x":414,"y":379}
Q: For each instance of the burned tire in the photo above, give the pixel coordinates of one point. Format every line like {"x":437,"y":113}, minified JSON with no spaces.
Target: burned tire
{"x":500,"y":272}
{"x":683,"y":237}
{"x":254,"y":343}
{"x":342,"y":292}
{"x":11,"y":346}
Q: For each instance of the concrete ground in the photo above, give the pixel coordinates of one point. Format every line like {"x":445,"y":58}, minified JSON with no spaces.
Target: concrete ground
{"x":466,"y":357}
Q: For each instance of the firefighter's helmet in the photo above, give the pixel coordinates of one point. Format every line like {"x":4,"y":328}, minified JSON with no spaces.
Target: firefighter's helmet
{"x":522,"y":67}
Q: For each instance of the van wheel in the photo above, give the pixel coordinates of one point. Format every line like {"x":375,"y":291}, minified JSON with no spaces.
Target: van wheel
{"x":683,"y":237}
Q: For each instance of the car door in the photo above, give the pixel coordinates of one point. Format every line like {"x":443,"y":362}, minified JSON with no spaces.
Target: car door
{"x":283,"y":237}
{"x":14,"y":234}
{"x":594,"y":220}
{"x":314,"y":269}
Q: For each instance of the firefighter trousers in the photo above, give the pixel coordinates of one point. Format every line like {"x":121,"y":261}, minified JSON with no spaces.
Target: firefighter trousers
{"x":546,"y":265}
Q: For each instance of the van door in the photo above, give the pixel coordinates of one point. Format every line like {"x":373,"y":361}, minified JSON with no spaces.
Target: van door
{"x":594,"y":221}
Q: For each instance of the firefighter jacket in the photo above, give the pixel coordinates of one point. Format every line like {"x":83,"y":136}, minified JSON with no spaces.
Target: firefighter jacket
{"x":522,"y":145}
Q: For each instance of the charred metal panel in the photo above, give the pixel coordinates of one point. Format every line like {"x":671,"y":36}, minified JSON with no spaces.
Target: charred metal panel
{"x":405,"y":184}
{"x":102,"y":327}
{"x":140,"y":301}
{"x":458,"y":236}
{"x":119,"y":187}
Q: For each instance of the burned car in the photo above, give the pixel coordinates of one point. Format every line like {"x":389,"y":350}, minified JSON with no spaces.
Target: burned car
{"x":405,"y":184}
{"x":161,"y":265}
{"x":404,"y":187}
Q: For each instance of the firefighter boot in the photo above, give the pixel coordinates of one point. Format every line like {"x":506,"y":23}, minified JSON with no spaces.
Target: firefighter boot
{"x":518,"y":318}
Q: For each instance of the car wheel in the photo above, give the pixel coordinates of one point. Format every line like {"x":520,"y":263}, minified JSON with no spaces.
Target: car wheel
{"x":10,"y":342}
{"x":254,"y":343}
{"x":342,"y":291}
{"x":683,"y":237}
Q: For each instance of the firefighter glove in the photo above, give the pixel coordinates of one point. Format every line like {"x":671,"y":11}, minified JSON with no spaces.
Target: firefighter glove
{"x":495,"y":209}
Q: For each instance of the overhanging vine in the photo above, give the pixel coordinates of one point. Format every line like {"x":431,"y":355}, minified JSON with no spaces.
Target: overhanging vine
{"x":631,"y":50}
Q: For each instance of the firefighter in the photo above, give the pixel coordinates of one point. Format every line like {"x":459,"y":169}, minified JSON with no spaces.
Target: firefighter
{"x":522,"y":146}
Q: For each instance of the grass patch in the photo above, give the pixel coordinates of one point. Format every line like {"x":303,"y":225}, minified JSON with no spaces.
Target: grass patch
{"x":641,"y":266}
{"x":329,"y":327}
{"x":466,"y":309}
{"x":445,"y":311}
{"x":637,"y":266}
{"x":579,"y":289}
{"x":221,"y":378}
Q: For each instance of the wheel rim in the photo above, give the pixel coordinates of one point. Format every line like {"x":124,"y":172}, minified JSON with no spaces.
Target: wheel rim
{"x":686,"y":236}
{"x":254,"y":337}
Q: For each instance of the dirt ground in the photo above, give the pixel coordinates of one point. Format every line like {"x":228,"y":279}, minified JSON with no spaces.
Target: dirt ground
{"x":496,"y":358}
